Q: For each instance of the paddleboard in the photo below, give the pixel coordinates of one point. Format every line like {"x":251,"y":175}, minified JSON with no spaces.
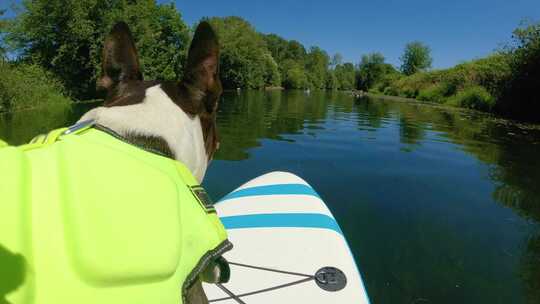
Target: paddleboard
{"x":288,"y":247}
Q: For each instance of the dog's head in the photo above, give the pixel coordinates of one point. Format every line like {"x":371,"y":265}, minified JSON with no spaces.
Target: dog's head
{"x":176,"y":117}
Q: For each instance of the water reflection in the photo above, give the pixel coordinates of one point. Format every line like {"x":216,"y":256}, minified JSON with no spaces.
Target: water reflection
{"x":439,"y":205}
{"x":19,"y":127}
{"x":509,"y":170}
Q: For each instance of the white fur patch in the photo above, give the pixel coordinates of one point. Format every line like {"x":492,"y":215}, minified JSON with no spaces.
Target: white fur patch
{"x":159,"y":116}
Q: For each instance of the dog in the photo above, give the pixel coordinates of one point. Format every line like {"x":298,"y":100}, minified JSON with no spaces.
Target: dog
{"x":175,"y":118}
{"x":58,"y":216}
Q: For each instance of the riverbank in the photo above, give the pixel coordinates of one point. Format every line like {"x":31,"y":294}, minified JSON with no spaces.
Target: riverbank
{"x":505,"y":83}
{"x":500,"y":120}
{"x":475,"y":85}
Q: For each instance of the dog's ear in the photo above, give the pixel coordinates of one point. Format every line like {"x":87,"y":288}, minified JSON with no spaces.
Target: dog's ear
{"x":120,"y":62}
{"x":202,"y":69}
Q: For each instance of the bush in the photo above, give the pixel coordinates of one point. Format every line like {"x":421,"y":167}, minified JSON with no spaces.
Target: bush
{"x":437,"y":93}
{"x":520,"y":97}
{"x":476,"y":97}
{"x":390,"y":91}
{"x":386,"y":81}
{"x":28,"y":86}
{"x":66,"y":38}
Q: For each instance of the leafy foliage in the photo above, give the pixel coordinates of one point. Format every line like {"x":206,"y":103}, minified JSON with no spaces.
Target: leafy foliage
{"x":416,"y":58}
{"x":346,"y":75}
{"x":25,"y":86}
{"x":520,"y":98}
{"x":65,"y":37}
{"x":436,"y":93}
{"x":475,"y":84}
{"x":337,"y":59}
{"x":372,"y":70}
{"x":3,"y":28}
{"x":317,"y":62}
{"x":272,"y":77}
{"x":244,"y":57}
{"x":294,"y":75}
{"x":476,"y":98}
{"x":331,"y":81}
{"x":505,"y":82}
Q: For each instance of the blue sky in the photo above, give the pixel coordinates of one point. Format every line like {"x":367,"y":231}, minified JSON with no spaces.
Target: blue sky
{"x":456,"y":30}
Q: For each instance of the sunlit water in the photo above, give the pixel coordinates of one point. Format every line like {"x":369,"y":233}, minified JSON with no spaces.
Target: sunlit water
{"x":438,"y":205}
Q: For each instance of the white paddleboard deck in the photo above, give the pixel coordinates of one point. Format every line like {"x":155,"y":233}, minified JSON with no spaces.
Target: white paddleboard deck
{"x":279,"y":223}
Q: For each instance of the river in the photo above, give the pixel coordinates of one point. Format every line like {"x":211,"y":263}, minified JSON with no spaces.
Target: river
{"x":439,"y":205}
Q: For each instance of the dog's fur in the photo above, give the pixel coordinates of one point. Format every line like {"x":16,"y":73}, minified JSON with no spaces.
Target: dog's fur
{"x":177,"y":119}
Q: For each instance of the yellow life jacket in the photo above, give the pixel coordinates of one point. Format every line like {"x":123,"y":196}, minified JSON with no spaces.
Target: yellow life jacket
{"x":88,"y":218}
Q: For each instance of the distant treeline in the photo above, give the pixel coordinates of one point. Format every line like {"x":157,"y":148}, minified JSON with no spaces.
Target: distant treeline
{"x":253,"y":60}
{"x":64,"y":38}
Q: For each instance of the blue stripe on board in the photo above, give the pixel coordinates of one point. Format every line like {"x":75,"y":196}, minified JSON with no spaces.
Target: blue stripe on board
{"x":270,"y":220}
{"x":278,"y":189}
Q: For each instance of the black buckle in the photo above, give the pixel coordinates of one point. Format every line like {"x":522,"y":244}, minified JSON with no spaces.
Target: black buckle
{"x":204,"y":199}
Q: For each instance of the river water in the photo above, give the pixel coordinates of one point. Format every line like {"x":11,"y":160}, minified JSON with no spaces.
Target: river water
{"x":439,"y":205}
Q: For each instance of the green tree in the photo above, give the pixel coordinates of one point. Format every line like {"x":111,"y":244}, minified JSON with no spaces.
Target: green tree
{"x":345,"y":75}
{"x":337,"y":59}
{"x":317,"y":62}
{"x":277,"y":46}
{"x":3,"y":29}
{"x":272,"y":77}
{"x":298,"y":68}
{"x":296,"y":51}
{"x":520,"y":98}
{"x":244,"y":56}
{"x":331,"y":81}
{"x":294,"y":76}
{"x":416,"y":58}
{"x":370,"y":70}
{"x":66,"y":36}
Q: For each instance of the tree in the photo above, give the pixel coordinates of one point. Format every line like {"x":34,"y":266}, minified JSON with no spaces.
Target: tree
{"x":317,"y":62}
{"x":66,"y":37}
{"x":370,"y":70}
{"x":519,"y":96}
{"x":3,"y":29}
{"x":294,"y":76}
{"x":298,"y":68}
{"x":374,"y":72}
{"x":277,"y":47}
{"x":331,"y":82}
{"x":296,"y":51}
{"x":416,"y":58}
{"x":336,"y":59}
{"x":345,"y":75}
{"x":244,"y":56}
{"x":272,"y":77}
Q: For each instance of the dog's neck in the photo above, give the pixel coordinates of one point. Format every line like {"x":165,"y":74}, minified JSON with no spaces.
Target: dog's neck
{"x":158,"y":124}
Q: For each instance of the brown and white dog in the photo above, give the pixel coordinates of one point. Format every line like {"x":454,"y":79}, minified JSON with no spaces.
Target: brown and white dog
{"x":177,"y":119}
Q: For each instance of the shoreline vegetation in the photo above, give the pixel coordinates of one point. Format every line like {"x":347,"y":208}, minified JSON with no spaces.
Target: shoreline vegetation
{"x":50,"y":54}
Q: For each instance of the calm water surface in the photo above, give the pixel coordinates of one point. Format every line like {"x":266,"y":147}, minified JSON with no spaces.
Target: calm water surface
{"x":438,"y":205}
